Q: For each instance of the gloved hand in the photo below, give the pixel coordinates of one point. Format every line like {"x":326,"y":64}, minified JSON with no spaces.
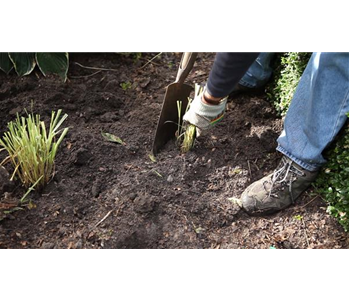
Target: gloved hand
{"x":203,"y":115}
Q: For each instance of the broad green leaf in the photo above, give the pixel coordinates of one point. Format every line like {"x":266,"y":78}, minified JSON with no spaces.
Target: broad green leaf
{"x":56,"y":63}
{"x":5,"y":63}
{"x":113,"y":138}
{"x":24,"y":63}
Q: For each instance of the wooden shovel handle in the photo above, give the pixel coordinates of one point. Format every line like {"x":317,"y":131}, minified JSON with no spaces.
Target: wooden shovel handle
{"x":185,"y":66}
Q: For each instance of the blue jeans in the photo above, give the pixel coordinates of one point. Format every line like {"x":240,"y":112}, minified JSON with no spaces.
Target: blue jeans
{"x":259,"y":72}
{"x":317,"y":111}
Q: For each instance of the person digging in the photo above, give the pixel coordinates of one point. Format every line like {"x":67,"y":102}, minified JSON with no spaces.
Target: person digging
{"x":316,"y":114}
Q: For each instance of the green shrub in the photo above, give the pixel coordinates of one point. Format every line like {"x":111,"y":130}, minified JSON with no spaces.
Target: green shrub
{"x":24,"y":63}
{"x":288,"y":68}
{"x":333,"y":181}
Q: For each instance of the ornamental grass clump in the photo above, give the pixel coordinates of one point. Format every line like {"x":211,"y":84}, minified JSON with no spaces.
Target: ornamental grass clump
{"x":186,"y":135}
{"x":32,"y":149}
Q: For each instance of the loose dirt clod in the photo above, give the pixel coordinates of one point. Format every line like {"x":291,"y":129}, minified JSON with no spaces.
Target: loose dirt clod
{"x":5,"y":183}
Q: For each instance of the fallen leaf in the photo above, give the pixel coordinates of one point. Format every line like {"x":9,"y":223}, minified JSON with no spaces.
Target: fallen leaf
{"x":152,"y":158}
{"x":235,"y":201}
{"x":113,"y":138}
{"x":90,"y":235}
{"x":198,"y":230}
{"x":31,"y":205}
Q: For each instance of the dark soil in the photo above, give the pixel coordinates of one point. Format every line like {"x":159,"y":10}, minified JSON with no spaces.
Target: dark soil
{"x":108,"y":195}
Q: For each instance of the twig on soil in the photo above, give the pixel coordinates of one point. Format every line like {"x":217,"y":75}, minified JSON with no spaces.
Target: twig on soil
{"x":305,"y":233}
{"x":46,"y":195}
{"x":263,"y":241}
{"x":310,"y":201}
{"x":149,"y":61}
{"x":106,"y":216}
{"x":103,"y":219}
{"x":86,"y":76}
{"x":249,"y":167}
{"x":145,"y":59}
{"x":255,"y":163}
{"x":94,"y":68}
{"x":194,"y":192}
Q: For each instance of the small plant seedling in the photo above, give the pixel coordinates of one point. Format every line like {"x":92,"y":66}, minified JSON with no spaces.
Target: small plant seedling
{"x":197,"y":230}
{"x":298,"y":217}
{"x":126,"y":85}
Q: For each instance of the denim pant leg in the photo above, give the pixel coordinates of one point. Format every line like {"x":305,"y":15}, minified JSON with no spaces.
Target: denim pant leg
{"x":317,"y":111}
{"x":259,"y":72}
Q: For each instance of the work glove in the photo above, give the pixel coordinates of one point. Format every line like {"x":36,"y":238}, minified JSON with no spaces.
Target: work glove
{"x":203,"y":115}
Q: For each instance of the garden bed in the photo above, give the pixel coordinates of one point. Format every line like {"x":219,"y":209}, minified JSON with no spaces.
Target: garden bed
{"x":107,"y":195}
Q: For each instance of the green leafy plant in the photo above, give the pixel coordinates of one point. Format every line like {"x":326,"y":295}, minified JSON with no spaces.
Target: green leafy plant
{"x":332,"y":183}
{"x":24,"y":63}
{"x":32,"y":149}
{"x":298,"y":217}
{"x":288,"y":69}
{"x":126,"y":85}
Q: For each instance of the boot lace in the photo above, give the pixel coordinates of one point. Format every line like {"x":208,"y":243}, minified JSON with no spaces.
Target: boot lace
{"x":284,"y":175}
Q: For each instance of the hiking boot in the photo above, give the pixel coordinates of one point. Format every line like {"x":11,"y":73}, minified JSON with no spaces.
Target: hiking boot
{"x":277,"y":190}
